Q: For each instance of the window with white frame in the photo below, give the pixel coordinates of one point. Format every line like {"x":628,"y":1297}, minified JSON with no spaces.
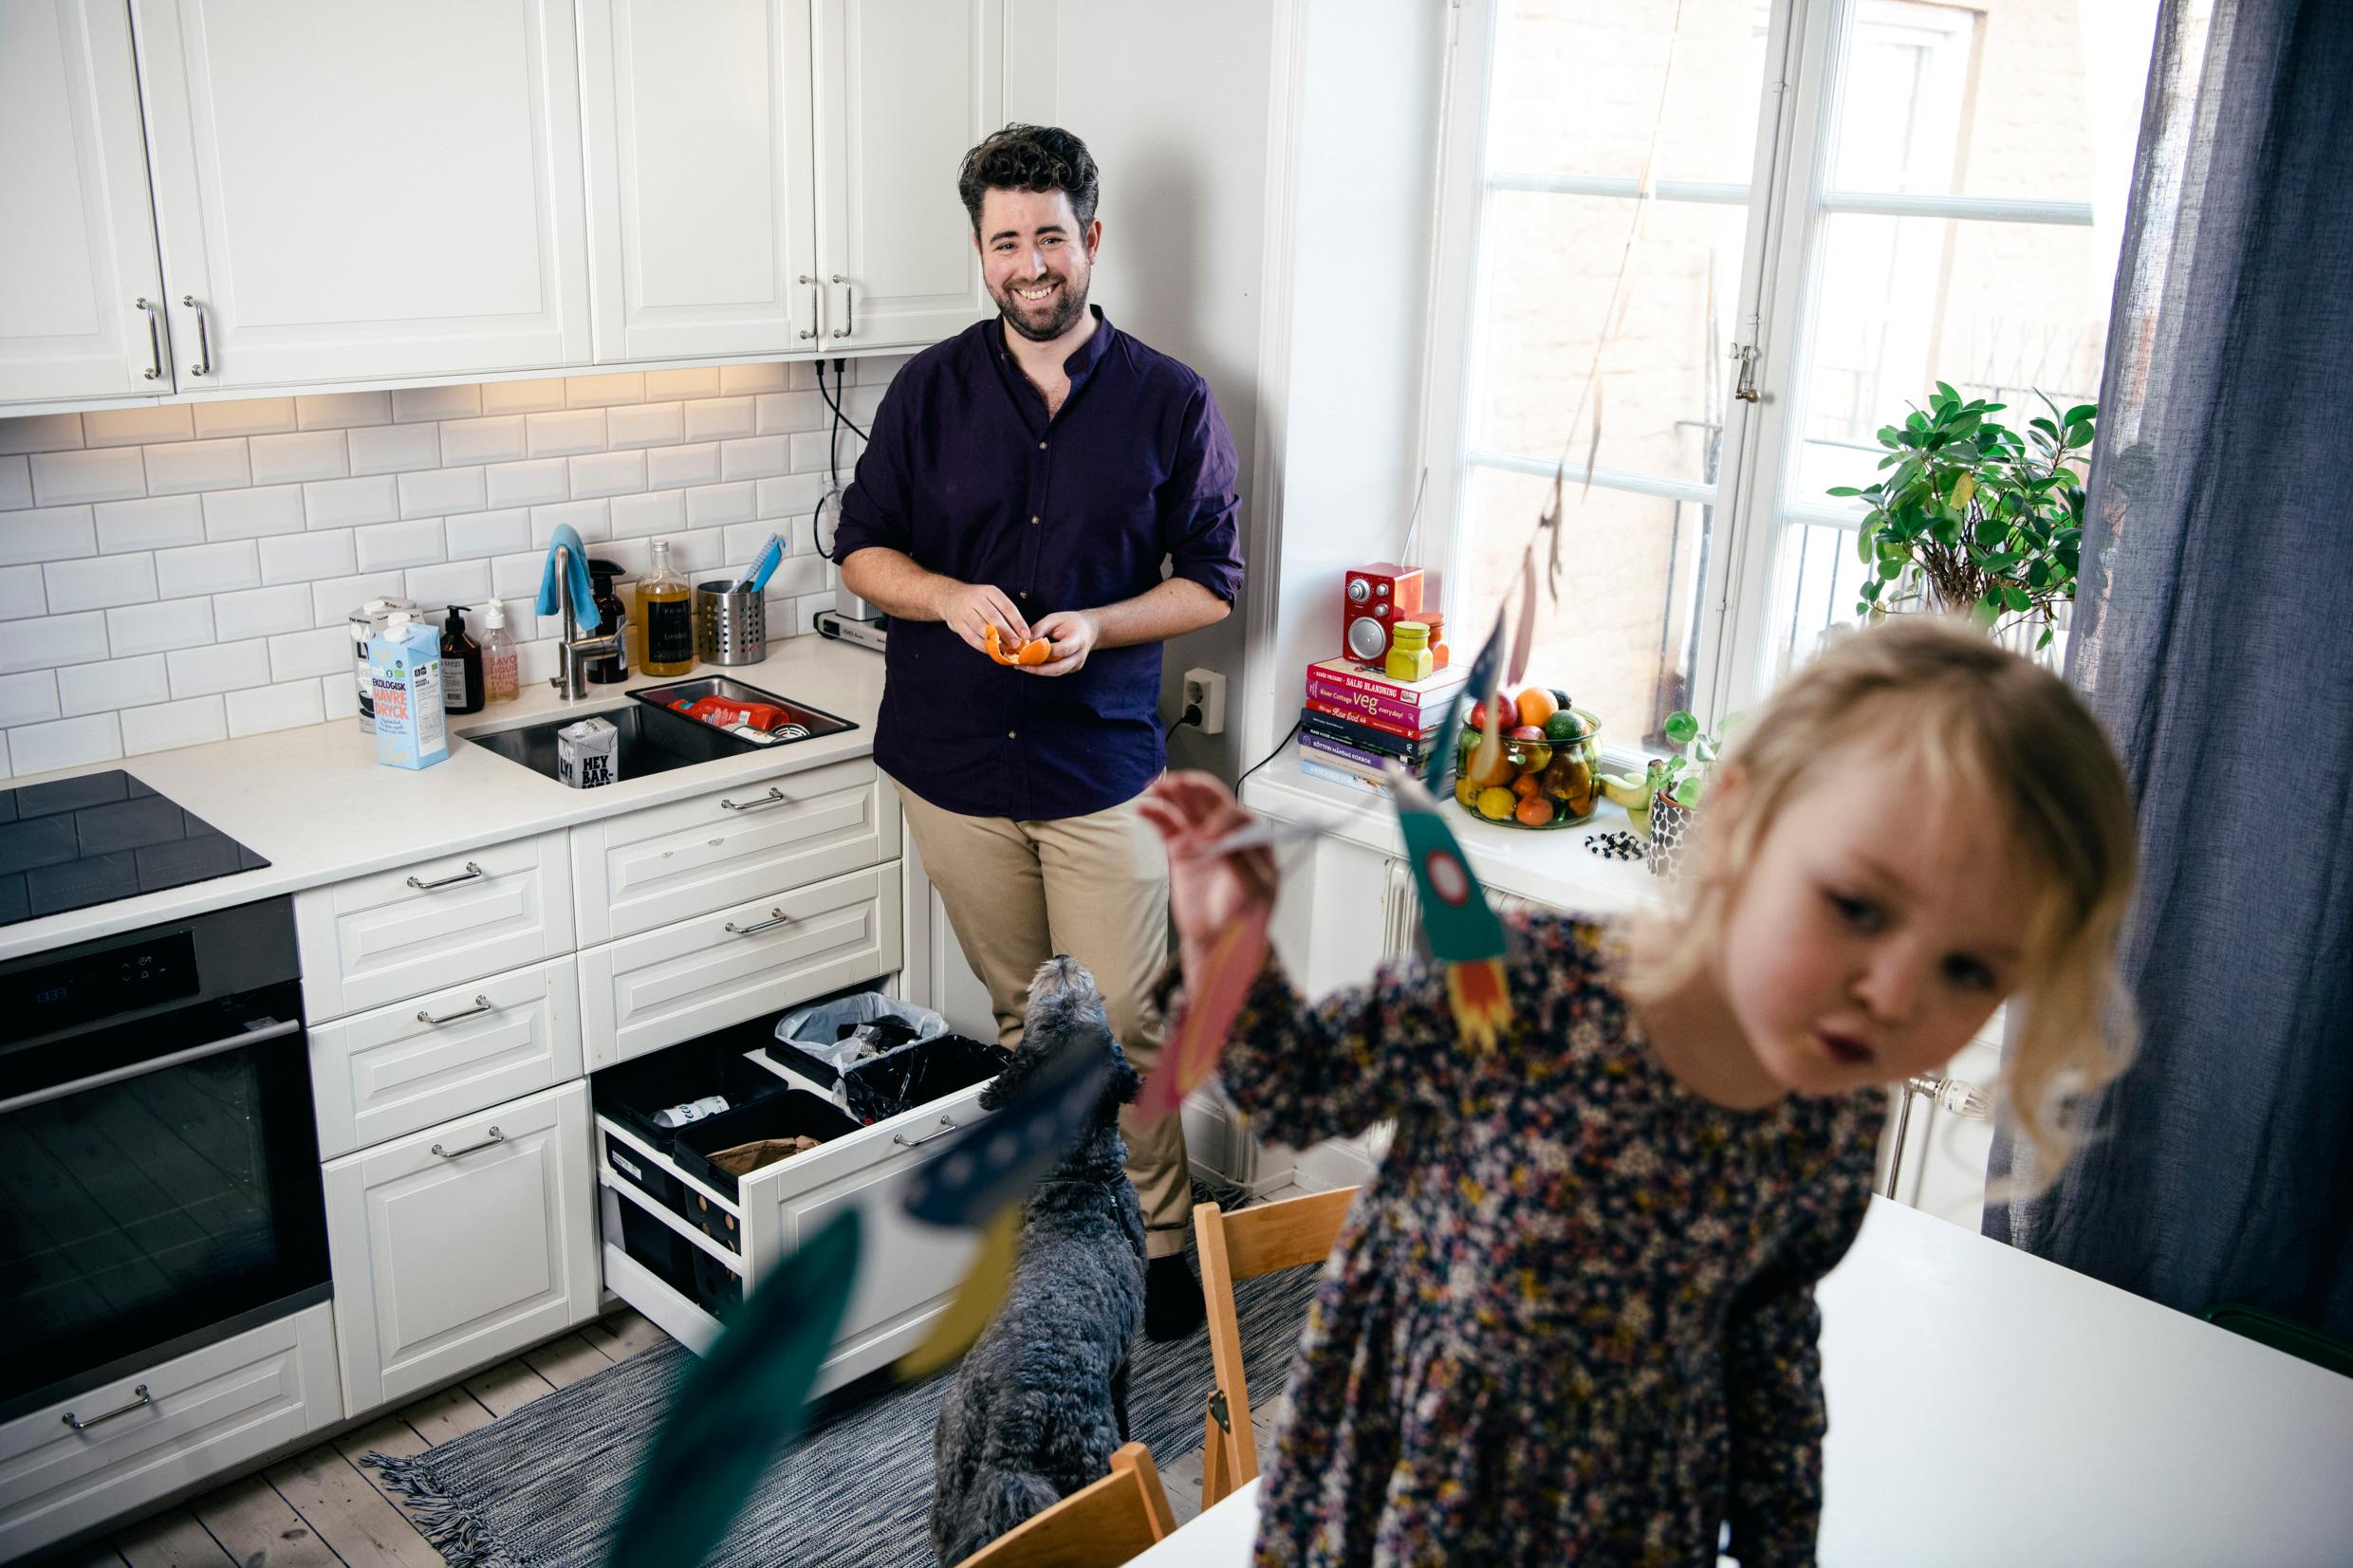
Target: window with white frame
{"x":1847,"y":201}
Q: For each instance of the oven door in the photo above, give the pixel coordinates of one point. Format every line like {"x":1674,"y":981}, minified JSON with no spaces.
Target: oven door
{"x":160,"y":1190}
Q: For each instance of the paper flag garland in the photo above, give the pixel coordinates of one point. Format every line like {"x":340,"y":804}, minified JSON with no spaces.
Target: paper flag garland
{"x":1464,"y":933}
{"x":740,"y":1404}
{"x":993,"y":1164}
{"x":977,"y":1297}
{"x":1213,"y":997}
{"x":1482,"y":682}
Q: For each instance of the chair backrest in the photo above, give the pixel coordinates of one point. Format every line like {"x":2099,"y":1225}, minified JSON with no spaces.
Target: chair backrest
{"x":1100,"y":1524}
{"x":1235,"y":1247}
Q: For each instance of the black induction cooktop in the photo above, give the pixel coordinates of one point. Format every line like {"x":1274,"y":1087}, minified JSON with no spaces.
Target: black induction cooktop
{"x":75,"y":842}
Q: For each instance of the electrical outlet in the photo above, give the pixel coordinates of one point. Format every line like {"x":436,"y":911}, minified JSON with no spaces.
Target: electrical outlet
{"x":1205,"y":689}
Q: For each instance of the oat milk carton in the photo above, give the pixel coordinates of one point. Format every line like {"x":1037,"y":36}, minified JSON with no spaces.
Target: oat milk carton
{"x":404,"y":668}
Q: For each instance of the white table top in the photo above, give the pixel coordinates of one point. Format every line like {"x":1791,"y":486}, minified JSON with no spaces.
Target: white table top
{"x":1987,"y":1407}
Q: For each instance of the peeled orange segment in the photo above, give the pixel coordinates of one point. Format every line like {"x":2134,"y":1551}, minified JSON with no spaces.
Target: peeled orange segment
{"x":1036,"y":650}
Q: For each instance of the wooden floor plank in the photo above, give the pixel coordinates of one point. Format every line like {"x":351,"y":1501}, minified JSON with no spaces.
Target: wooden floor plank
{"x":624,"y":1334}
{"x":508,"y":1387}
{"x":453,"y":1412}
{"x":358,"y":1522}
{"x":97,"y":1555}
{"x":173,"y":1540}
{"x":565,"y":1361}
{"x":260,"y":1529}
{"x":391,"y":1436}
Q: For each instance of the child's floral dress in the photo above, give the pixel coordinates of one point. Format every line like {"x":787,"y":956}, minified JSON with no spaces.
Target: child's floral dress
{"x":1571,"y":1317}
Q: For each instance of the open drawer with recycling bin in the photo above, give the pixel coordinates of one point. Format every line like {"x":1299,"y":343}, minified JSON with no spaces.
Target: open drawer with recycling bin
{"x":715,"y":1162}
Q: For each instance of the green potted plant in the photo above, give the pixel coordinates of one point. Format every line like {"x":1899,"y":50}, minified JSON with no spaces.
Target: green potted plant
{"x":1677,"y":782}
{"x":1975,"y":517}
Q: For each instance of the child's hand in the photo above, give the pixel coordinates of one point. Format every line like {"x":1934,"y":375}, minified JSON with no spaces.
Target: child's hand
{"x":1191,"y":809}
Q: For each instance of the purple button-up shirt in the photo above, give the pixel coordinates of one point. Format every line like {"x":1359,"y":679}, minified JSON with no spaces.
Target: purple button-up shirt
{"x":966,"y":474}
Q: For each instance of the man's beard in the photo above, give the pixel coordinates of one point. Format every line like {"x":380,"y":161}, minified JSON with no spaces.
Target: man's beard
{"x":1069,"y":303}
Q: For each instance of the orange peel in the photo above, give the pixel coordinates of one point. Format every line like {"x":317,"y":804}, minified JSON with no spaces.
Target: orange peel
{"x":1036,"y":650}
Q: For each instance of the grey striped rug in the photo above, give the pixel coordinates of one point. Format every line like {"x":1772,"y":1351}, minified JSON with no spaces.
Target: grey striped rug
{"x":546,"y":1485}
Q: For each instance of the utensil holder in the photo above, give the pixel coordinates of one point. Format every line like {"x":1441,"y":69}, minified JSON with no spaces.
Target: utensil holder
{"x":730,"y":627}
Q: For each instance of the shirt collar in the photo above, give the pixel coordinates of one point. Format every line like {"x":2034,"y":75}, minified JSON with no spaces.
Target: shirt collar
{"x":1079,"y":366}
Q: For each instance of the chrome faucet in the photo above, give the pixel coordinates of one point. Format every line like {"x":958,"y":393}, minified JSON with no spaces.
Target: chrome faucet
{"x":573,"y":651}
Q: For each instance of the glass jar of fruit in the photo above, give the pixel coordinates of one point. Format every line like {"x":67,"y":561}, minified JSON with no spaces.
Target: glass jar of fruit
{"x":1544,"y":771}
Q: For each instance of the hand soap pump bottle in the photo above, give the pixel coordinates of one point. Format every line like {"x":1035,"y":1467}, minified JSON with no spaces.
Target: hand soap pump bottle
{"x":461,"y":666}
{"x":666,"y":604}
{"x":501,"y":668}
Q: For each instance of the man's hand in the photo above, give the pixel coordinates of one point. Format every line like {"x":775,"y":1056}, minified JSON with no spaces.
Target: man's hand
{"x":969,"y":608}
{"x":1073,"y":633}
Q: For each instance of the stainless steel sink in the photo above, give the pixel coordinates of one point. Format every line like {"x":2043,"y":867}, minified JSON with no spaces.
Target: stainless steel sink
{"x":651,"y":741}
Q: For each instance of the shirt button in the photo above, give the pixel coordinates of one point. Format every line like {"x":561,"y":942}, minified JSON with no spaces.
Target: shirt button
{"x":1033,"y":519}
{"x":1008,"y":734}
{"x":1041,"y":446}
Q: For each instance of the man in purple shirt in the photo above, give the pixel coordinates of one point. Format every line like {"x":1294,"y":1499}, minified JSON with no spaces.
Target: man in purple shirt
{"x":1036,"y":473}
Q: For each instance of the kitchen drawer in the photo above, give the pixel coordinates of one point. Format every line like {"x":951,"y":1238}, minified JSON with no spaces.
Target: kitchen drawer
{"x":674,"y":983}
{"x":415,"y":929}
{"x":206,"y":1414}
{"x":460,"y":1244}
{"x":668,"y":863}
{"x":377,"y":1074}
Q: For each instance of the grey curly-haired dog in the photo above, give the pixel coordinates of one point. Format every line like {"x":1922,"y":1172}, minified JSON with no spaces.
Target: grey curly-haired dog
{"x":1041,"y":1401}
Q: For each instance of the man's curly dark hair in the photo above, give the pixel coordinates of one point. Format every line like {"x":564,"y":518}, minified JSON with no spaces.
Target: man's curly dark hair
{"x":1030,"y":157}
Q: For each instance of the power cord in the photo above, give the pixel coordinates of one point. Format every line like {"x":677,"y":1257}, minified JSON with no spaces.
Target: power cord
{"x":833,"y":448}
{"x":1191,"y":715}
{"x":1269,"y":757}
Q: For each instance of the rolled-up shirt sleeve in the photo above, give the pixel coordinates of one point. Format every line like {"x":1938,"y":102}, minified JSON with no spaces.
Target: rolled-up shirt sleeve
{"x":1200,"y":512}
{"x":878,"y":508}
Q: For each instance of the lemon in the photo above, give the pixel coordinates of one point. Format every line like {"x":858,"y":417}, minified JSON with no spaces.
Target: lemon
{"x":1498,"y":803}
{"x":1465,"y":791}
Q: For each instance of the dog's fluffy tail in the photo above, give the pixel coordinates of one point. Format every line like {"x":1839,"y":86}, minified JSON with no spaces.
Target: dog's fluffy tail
{"x":997,"y":1500}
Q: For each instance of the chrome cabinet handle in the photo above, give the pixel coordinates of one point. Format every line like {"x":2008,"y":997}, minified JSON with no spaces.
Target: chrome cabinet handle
{"x":849,"y":306}
{"x":81,"y":1426}
{"x":155,"y":339}
{"x":481,"y":1005}
{"x":816,"y":305}
{"x":946,"y":1126}
{"x":734,"y":929}
{"x":204,"y":338}
{"x":468,"y":874}
{"x":775,"y":795}
{"x":496,"y":1137}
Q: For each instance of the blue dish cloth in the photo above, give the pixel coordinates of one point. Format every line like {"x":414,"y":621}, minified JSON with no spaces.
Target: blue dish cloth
{"x":584,"y":593}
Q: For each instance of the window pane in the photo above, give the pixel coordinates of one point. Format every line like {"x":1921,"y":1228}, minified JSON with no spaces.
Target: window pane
{"x":1548,"y":264}
{"x":1997,"y":310}
{"x":1821,"y":579}
{"x":1619,"y":639}
{"x":1577,"y":87}
{"x":2034,"y":99}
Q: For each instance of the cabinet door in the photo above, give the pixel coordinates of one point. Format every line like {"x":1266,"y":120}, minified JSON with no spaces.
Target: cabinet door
{"x":461,"y":1244}
{"x":698,"y":159}
{"x":362,"y":190}
{"x":904,"y":89}
{"x":78,"y":247}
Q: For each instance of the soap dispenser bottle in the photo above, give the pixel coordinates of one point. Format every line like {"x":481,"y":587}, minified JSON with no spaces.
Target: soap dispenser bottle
{"x":461,"y":666}
{"x":501,"y":668}
{"x":666,"y":605}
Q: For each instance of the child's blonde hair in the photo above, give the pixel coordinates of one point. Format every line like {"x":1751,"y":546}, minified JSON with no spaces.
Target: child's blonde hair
{"x":1990,"y":731}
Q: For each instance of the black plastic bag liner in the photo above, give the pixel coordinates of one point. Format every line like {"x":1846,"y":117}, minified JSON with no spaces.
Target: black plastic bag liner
{"x":796,"y":1113}
{"x":881,"y":1087}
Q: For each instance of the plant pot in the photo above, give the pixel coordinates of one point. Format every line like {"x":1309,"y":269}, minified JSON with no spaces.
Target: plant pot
{"x":1670,"y":827}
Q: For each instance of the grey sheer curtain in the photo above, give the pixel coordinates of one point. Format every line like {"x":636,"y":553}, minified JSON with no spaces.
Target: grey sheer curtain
{"x":2215,"y":640}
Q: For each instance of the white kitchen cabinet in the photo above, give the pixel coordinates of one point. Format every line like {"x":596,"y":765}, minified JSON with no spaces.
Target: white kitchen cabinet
{"x":462,"y":1244}
{"x":146,"y":1435}
{"x":345,"y":192}
{"x":80,"y":288}
{"x":779,"y":175}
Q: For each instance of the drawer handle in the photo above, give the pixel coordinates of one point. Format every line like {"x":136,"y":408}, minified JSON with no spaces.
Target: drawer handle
{"x":775,"y":796}
{"x":947,"y":1125}
{"x":81,"y":1426}
{"x":468,"y":874}
{"x":481,"y":1005}
{"x":496,"y":1137}
{"x":734,"y":929}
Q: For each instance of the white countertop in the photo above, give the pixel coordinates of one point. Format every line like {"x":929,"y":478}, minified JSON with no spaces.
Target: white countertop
{"x":1990,"y":1407}
{"x":1553,"y":867}
{"x":316,"y":804}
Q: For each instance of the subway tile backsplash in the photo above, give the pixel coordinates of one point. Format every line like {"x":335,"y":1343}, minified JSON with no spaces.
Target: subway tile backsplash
{"x":177,"y":575}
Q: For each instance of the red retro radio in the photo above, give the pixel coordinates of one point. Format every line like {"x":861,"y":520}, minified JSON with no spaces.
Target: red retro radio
{"x":1373,"y":599}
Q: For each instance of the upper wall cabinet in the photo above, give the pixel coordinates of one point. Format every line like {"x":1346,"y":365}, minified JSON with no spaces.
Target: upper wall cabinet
{"x":358,"y":191}
{"x":80,"y":293}
{"x":779,"y":175}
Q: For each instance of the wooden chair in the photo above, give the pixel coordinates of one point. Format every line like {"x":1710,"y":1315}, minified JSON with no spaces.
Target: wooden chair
{"x":1239,"y":1246}
{"x":1105,"y":1522}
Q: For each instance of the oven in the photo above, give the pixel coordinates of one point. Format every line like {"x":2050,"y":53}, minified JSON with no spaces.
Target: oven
{"x":159,"y":1183}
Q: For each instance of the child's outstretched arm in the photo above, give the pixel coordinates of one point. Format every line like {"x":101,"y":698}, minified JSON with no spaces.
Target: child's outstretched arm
{"x":1332,"y":1070}
{"x":1773,"y":1382}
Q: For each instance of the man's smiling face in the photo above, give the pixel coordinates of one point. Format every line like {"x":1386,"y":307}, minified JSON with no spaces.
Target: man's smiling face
{"x":1035,"y":260}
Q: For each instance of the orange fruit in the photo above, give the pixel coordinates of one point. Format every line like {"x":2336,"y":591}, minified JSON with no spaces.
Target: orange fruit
{"x":1536,"y":705}
{"x":1488,"y":765}
{"x":1524,"y":785}
{"x":1533,"y":811}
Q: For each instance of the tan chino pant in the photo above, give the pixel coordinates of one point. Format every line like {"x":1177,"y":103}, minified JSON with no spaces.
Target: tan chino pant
{"x":1095,"y":887}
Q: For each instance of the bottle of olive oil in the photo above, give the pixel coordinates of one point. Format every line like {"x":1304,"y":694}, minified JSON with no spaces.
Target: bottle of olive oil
{"x":666,"y":605}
